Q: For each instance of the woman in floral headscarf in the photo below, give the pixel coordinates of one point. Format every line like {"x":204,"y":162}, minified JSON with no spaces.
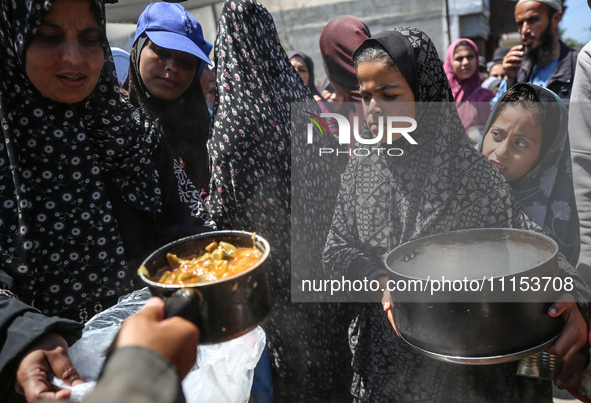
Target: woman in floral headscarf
{"x":263,"y":180}
{"x":88,"y":188}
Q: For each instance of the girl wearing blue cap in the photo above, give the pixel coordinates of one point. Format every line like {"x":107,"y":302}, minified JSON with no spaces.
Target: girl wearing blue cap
{"x":167,"y":55}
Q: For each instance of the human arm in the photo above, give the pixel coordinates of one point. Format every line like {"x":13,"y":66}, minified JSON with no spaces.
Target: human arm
{"x":572,"y":346}
{"x":22,"y":327}
{"x":173,"y":338}
{"x":137,"y":374}
{"x":151,"y":355}
{"x":46,"y":358}
{"x":149,"y":358}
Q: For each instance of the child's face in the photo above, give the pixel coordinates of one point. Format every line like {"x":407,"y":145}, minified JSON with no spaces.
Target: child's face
{"x":167,"y":73}
{"x":513,"y":142}
{"x":385,"y":92}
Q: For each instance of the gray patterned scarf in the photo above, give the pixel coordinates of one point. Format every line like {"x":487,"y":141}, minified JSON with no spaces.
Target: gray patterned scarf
{"x":546,"y":192}
{"x":442,"y":184}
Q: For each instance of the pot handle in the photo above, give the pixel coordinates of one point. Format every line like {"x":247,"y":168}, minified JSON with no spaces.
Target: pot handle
{"x":185,"y":303}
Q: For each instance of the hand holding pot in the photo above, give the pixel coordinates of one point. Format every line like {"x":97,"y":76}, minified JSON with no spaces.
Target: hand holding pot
{"x":574,"y":335}
{"x":174,"y":338}
{"x":572,"y":373}
{"x":571,"y":340}
{"x":387,"y":304}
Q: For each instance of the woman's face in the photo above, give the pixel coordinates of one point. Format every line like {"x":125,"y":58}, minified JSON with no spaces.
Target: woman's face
{"x":513,"y":142}
{"x":464,"y":63}
{"x":385,"y":92}
{"x":65,"y":58}
{"x":330,"y":94}
{"x":167,"y":73}
{"x":300,"y":66}
{"x":497,"y":71}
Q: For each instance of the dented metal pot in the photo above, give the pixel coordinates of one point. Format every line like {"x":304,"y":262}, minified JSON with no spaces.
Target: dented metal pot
{"x":479,"y":325}
{"x":222,"y":309}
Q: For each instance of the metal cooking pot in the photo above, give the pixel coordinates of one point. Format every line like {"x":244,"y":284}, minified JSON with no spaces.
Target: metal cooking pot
{"x":477,"y":332}
{"x":222,"y":309}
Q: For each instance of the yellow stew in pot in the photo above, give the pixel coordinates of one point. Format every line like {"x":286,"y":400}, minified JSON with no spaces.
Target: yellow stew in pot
{"x":218,"y":261}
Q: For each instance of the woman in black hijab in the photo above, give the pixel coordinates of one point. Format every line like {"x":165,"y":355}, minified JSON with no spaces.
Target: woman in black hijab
{"x":160,"y":52}
{"x":304,"y":65}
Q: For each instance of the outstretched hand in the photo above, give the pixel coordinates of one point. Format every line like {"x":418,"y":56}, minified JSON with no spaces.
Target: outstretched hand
{"x":48,"y":357}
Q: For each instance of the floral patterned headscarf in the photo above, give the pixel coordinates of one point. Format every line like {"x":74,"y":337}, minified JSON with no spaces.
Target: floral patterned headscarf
{"x":58,"y":238}
{"x":265,"y":178}
{"x":250,"y":141}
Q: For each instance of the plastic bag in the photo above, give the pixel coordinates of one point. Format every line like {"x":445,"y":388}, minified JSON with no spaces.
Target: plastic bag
{"x":222,"y":373}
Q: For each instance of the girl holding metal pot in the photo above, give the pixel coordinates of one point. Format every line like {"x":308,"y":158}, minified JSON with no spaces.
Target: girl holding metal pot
{"x":88,"y":188}
{"x":432,"y":188}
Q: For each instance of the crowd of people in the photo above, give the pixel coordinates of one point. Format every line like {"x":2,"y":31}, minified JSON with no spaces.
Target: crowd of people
{"x":108,"y":155}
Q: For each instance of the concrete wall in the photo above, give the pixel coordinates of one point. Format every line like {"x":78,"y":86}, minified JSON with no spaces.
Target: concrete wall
{"x":300,"y":27}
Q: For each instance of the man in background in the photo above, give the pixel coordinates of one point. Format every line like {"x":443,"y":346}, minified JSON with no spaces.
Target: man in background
{"x":542,"y":59}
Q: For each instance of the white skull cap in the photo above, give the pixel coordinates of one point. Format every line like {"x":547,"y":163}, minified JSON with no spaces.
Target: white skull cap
{"x":555,"y":4}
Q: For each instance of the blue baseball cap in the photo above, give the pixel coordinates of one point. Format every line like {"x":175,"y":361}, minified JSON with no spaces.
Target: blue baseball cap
{"x":170,"y":26}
